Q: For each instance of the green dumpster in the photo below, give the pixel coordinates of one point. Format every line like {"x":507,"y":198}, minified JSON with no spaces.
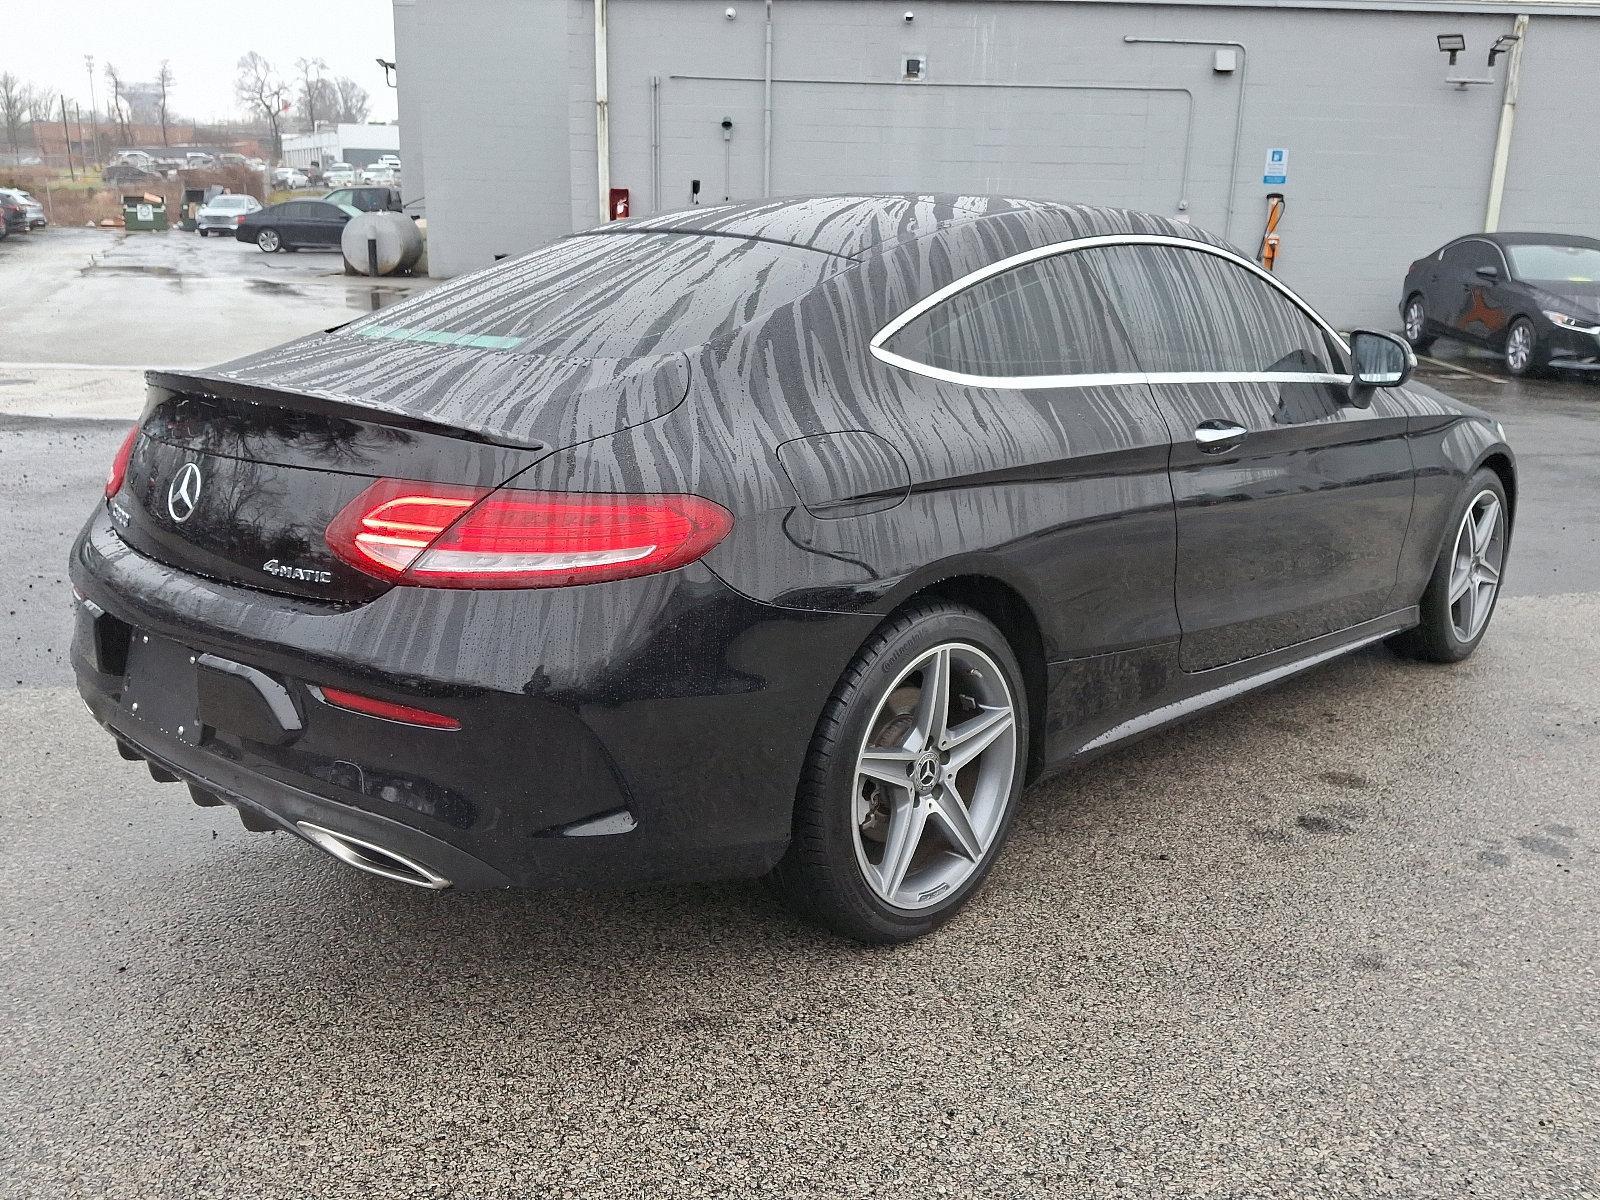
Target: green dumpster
{"x":144,"y":212}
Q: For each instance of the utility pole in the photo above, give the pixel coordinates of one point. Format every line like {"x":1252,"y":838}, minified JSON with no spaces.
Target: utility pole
{"x":94,"y":116}
{"x":66,"y":138}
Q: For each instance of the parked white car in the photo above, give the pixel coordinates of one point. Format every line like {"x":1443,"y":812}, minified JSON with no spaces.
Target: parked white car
{"x":381,"y":174}
{"x":288,"y":177}
{"x":223,"y":213}
{"x":339,"y":174}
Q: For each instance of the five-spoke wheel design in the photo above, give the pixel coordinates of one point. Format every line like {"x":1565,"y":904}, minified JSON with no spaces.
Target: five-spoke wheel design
{"x":1476,"y":564}
{"x":1521,"y":344}
{"x":934,"y":776}
{"x":1416,"y":321}
{"x":269,"y":241}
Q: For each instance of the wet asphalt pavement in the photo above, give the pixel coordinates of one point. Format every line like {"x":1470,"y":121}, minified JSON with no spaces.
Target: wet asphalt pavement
{"x":1341,"y":939}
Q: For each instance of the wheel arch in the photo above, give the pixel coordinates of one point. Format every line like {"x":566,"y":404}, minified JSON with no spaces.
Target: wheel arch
{"x":1499,"y":461}
{"x":1010,"y":612}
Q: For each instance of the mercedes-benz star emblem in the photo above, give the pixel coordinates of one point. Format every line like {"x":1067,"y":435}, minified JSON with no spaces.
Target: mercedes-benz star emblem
{"x":183,"y":496}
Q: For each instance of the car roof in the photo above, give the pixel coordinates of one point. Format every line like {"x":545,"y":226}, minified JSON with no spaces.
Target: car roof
{"x":862,"y":226}
{"x":1534,"y":239}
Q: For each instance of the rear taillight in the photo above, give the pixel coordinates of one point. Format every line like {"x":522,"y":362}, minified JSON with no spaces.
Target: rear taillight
{"x":119,"y":464}
{"x":440,"y":535}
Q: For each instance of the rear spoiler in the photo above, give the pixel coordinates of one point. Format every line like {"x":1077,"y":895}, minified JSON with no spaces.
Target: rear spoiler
{"x":309,"y":402}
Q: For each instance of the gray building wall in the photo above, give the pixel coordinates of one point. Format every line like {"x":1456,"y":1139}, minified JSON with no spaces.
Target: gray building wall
{"x":1386,"y":159}
{"x":483,"y":103}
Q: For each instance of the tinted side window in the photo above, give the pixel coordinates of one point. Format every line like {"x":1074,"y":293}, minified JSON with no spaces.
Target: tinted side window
{"x":1186,"y":310}
{"x":1043,"y":318}
{"x":1467,"y":257}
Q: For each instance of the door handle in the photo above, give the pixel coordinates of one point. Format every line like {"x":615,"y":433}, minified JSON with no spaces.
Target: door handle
{"x":1213,"y":437}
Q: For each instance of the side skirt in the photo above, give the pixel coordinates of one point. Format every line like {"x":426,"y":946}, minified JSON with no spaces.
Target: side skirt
{"x":1185,"y":695}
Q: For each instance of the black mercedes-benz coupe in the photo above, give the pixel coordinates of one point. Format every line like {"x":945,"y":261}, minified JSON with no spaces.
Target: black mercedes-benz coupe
{"x":1532,"y":297}
{"x":786,"y":538}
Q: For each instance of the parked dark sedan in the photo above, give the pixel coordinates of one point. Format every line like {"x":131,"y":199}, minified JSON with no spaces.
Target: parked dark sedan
{"x":786,"y":537}
{"x":296,"y":225}
{"x":13,"y":216}
{"x":1532,"y":297}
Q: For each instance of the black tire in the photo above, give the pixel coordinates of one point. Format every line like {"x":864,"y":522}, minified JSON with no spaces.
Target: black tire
{"x":1536,"y":361}
{"x":269,"y":240}
{"x":204,"y":232}
{"x":1436,"y":639}
{"x":820,"y":875}
{"x":1422,"y":341}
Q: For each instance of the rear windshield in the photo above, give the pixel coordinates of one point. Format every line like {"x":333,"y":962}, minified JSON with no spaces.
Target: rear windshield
{"x":1556,"y":264}
{"x":622,"y":295}
{"x":228,"y":202}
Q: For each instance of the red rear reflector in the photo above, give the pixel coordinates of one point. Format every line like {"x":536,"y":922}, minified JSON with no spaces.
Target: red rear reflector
{"x":119,"y":464}
{"x":441,"y":535}
{"x":372,"y":707}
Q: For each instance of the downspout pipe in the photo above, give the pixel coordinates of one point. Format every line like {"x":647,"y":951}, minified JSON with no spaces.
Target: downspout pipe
{"x":602,"y":112}
{"x":766,"y":111}
{"x":1238,"y":116}
{"x":1508,"y":120}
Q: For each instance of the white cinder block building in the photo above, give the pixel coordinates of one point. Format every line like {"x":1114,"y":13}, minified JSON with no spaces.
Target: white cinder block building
{"x":1174,"y":106}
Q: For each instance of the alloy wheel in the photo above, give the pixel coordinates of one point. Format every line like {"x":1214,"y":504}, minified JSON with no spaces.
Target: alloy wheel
{"x":268,"y":240}
{"x":934,"y":776}
{"x":1475,"y":565}
{"x":1519,"y":347}
{"x":1415,"y":321}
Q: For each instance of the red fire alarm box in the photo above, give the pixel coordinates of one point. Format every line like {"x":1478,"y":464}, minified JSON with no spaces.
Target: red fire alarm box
{"x":619,"y":204}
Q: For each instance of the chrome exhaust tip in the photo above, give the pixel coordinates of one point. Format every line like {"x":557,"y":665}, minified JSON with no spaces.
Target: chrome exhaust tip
{"x":371,"y":858}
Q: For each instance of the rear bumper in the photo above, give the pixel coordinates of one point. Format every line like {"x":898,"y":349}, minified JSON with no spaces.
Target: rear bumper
{"x":641,"y":731}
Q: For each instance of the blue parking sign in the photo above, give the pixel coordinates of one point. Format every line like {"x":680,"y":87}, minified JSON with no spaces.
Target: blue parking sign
{"x":1277,"y":168}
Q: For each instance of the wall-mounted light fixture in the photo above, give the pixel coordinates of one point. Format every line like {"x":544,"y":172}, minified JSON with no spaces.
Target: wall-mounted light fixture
{"x":388,"y":71}
{"x":1502,"y":45}
{"x":1452,"y":44}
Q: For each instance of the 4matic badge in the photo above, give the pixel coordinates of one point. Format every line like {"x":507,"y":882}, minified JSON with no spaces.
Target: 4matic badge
{"x":299,"y":574}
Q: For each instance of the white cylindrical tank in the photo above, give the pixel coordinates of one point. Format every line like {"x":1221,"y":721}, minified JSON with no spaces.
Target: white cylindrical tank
{"x":399,"y":244}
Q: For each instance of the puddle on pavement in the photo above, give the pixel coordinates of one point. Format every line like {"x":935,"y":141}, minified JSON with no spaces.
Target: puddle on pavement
{"x":274,"y":287}
{"x":158,"y":272}
{"x":373,"y":298}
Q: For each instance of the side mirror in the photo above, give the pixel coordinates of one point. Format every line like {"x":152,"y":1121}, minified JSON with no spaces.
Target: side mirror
{"x":1377,"y":360}
{"x":1490,"y":273}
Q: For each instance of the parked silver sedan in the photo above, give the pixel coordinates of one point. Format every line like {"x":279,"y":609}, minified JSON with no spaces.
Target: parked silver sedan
{"x":222,"y":214}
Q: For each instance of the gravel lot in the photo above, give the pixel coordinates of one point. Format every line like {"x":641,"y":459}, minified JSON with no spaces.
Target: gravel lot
{"x":1341,"y":939}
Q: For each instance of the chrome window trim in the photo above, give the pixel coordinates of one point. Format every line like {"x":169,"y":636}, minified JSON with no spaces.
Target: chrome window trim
{"x":1505,"y":262}
{"x":1113,"y":379}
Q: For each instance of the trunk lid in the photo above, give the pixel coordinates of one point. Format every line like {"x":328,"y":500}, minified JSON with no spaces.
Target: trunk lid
{"x":239,"y":482}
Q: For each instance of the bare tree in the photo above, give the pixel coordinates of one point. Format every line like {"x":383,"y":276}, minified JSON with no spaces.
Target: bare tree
{"x":14,"y":95}
{"x":354,"y":103}
{"x":41,"y":105}
{"x":262,"y":92}
{"x":314,"y":90}
{"x":119,"y":110}
{"x":164,"y":81}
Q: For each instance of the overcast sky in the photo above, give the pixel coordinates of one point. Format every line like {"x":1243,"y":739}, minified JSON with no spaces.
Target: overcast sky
{"x":43,"y":42}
